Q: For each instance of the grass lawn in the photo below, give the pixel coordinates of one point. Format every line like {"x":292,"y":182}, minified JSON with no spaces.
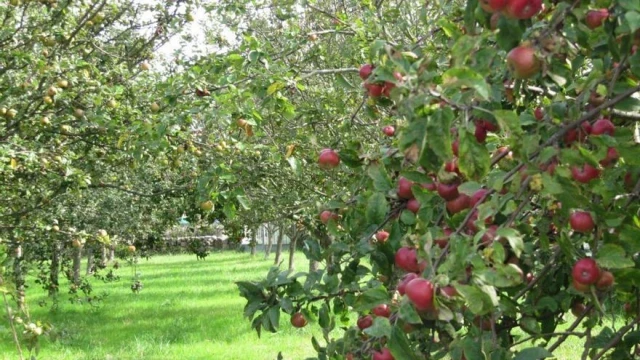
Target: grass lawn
{"x":188,"y":309}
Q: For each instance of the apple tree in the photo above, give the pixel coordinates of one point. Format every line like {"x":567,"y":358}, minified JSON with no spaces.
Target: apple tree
{"x":499,"y":196}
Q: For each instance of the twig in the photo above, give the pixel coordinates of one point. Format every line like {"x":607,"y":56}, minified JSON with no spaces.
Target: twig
{"x":567,"y":333}
{"x":617,"y":338}
{"x":310,"y":73}
{"x":539,"y":276}
{"x":13,"y":328}
{"x":570,"y":329}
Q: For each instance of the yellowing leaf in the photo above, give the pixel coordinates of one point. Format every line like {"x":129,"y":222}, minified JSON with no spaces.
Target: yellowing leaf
{"x":14,"y":163}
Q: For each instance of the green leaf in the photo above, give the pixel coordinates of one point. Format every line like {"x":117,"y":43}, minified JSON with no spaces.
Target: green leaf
{"x":324,"y":320}
{"x":514,"y":238}
{"x":613,"y":257}
{"x":408,"y":313}
{"x":509,"y":122}
{"x":533,"y":353}
{"x":274,"y":317}
{"x":370,"y":298}
{"x":632,"y":20}
{"x":293,"y":162}
{"x":474,"y":160}
{"x":243,"y":201}
{"x":438,"y":133}
{"x":381,"y":327}
{"x":462,"y":77}
{"x":399,"y":345}
{"x":378,"y":174}
{"x":477,"y":300}
{"x":274,"y":87}
{"x":377,"y":209}
{"x":530,"y":325}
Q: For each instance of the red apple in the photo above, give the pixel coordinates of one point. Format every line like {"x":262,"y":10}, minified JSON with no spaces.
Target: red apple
{"x":488,"y":125}
{"x":522,"y":60}
{"x":383,"y":354}
{"x":497,"y":5}
{"x":389,"y":130}
{"x":431,"y":186}
{"x":585,"y":271}
{"x":404,"y":281}
{"x":420,"y":292}
{"x":442,"y":242}
{"x":374,"y":90}
{"x":480,"y":134}
{"x":605,"y":281}
{"x":448,"y":191}
{"x":595,"y":18}
{"x":477,"y":196}
{"x":489,"y":235}
{"x":596,"y":99}
{"x":611,"y":157}
{"x":382,"y":236}
{"x":529,"y":278}
{"x":413,"y":205}
{"x":449,"y":291}
{"x":522,"y":9}
{"x":298,"y":320}
{"x":328,"y":159}
{"x":364,"y":322}
{"x":578,"y":309}
{"x":455,"y":145}
{"x":327,"y":215}
{"x":458,"y":204}
{"x":382,"y":310}
{"x":580,"y":287}
{"x":581,"y":221}
{"x":387,"y":87}
{"x":538,"y":113}
{"x":365,"y":71}
{"x":404,"y":188}
{"x":407,"y":259}
{"x":584,"y":174}
{"x":493,"y":22}
{"x":603,"y":126}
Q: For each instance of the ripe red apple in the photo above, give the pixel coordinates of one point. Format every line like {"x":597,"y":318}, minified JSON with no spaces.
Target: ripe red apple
{"x":449,"y":291}
{"x":480,"y":134}
{"x":382,"y":310}
{"x":522,"y":9}
{"x":404,"y":281}
{"x":595,"y":18}
{"x":420,"y":292}
{"x":365,"y":71}
{"x":596,"y":99}
{"x":522,"y":60}
{"x":497,"y":5}
{"x":413,"y":205}
{"x":538,"y":113}
{"x":603,"y":126}
{"x":581,"y":221}
{"x":489,"y":235}
{"x":477,"y":196}
{"x":448,"y":191}
{"x":382,"y":236}
{"x":364,"y":322}
{"x":488,"y":125}
{"x":580,"y":287}
{"x":328,"y":159}
{"x":452,"y":166}
{"x":298,"y":320}
{"x":383,"y":354}
{"x":407,"y":259}
{"x":387,"y":87}
{"x":404,"y":188}
{"x":605,"y":281}
{"x":455,"y":145}
{"x":471,"y":223}
{"x":327,"y":215}
{"x":493,"y":22}
{"x":611,"y":157}
{"x":431,"y":186}
{"x":579,"y":134}
{"x":586,"y":271}
{"x":529,"y":278}
{"x":584,"y":174}
{"x":389,"y":130}
{"x":374,"y":90}
{"x":458,"y":204}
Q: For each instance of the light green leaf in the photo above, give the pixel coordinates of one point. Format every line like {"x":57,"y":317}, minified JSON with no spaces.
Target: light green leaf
{"x":474,"y":160}
{"x":613,"y":257}
{"x":399,"y":345}
{"x":377,"y":208}
{"x":533,"y":353}
{"x":463,"y":77}
{"x":381,"y":327}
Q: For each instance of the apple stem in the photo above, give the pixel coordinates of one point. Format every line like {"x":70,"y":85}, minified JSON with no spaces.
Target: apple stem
{"x":596,"y":301}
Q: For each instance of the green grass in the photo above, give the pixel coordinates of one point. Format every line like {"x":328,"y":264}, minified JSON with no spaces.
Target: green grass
{"x":188,"y":309}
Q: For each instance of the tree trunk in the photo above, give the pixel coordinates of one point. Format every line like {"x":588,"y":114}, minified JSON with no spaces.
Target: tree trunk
{"x":77,"y":259}
{"x":279,"y":244}
{"x":253,"y":242}
{"x":90,"y":261}
{"x":314,"y":266}
{"x":103,"y":256}
{"x":292,"y":247}
{"x":19,"y":276}
{"x":112,"y":253}
{"x":267,"y":249}
{"x":54,"y":269}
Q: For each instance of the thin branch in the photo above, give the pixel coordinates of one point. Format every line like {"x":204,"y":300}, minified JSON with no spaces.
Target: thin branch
{"x":616,"y":339}
{"x":310,"y":73}
{"x":570,"y":329}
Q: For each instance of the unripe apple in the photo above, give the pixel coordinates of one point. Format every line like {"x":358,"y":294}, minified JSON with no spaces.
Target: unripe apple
{"x":206,"y":205}
{"x":47,"y":99}
{"x":144,"y":66}
{"x":523,"y":62}
{"x":312,"y":37}
{"x":595,"y":18}
{"x":189,"y":17}
{"x":45,"y":121}
{"x":328,"y":159}
{"x":62,"y":83}
{"x":112,"y":104}
{"x":52,"y":91}
{"x":78,"y":113}
{"x":155,"y":107}
{"x":11,"y":113}
{"x":131,"y":248}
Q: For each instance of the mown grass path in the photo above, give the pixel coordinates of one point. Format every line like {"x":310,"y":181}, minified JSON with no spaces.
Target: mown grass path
{"x":188,"y":309}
